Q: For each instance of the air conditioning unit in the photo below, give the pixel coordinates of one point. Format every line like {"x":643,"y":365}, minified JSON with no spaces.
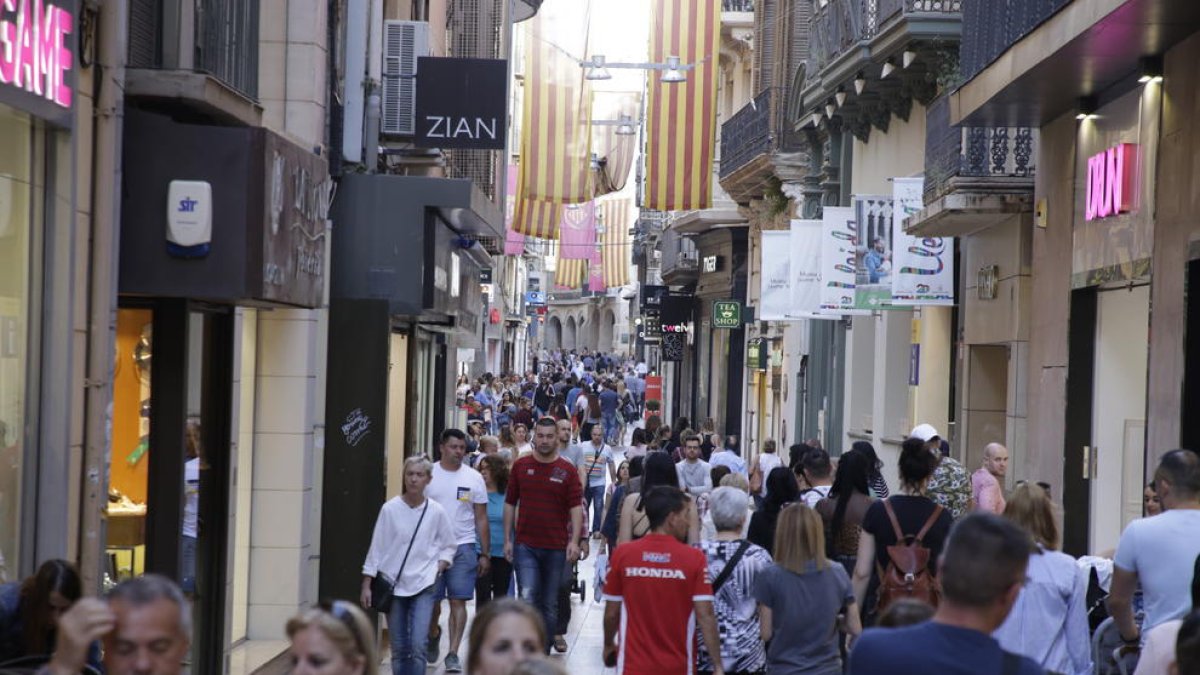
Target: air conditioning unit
{"x":689,"y":259}
{"x":403,"y":43}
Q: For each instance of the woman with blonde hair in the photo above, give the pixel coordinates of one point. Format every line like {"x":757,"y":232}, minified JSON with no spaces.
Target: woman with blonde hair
{"x":1049,"y":621}
{"x":333,"y":639}
{"x":808,"y":595}
{"x":505,"y":633}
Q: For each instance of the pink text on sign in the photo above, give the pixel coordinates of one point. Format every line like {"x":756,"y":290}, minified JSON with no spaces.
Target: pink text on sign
{"x":1110,"y":184}
{"x":35,"y":53}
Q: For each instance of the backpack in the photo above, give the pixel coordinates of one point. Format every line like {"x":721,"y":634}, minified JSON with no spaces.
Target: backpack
{"x":907,"y":574}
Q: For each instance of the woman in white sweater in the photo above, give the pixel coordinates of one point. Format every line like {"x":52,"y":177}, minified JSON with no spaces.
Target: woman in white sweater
{"x":413,"y":543}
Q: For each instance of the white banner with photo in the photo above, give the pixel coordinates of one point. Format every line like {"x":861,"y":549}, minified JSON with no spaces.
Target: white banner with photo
{"x":839,"y":241}
{"x":775,"y":291}
{"x":923,"y":268}
{"x":806,"y":270}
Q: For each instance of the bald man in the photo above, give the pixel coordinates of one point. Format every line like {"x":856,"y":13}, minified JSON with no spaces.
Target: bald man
{"x":986,"y":482}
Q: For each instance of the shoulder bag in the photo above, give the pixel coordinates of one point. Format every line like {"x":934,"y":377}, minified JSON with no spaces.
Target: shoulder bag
{"x":382,"y":587}
{"x":727,"y":570}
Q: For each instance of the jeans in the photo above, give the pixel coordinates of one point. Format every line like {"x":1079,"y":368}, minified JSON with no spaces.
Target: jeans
{"x":610,"y":428}
{"x":539,"y":572}
{"x":408,"y":625}
{"x":495,"y":584}
{"x":594,"y":497}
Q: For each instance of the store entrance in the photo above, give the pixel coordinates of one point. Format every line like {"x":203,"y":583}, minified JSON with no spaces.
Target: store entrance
{"x":170,"y":479}
{"x":1189,"y":430}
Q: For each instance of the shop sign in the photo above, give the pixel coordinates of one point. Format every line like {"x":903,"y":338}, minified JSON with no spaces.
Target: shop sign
{"x":1110,"y":186}
{"x":461,"y":103}
{"x":727,"y":314}
{"x":35,"y":52}
{"x":757,"y":353}
{"x":535,"y":298}
{"x":985,"y":283}
{"x":298,"y":199}
{"x":485,"y":276}
{"x":710,"y":263}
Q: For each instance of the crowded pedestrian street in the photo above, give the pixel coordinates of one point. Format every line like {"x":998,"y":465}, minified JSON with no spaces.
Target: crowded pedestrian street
{"x":644,"y":337}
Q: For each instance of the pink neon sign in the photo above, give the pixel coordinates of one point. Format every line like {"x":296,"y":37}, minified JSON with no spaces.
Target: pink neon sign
{"x":34,"y":52}
{"x":1110,"y":186}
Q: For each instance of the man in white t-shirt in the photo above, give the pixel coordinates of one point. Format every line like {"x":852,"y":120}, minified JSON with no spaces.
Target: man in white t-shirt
{"x":1160,"y":552}
{"x":461,"y":492}
{"x":817,"y":470}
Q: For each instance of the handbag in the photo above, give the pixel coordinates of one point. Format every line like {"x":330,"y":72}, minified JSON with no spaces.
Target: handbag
{"x":383,"y":588}
{"x":729,"y":566}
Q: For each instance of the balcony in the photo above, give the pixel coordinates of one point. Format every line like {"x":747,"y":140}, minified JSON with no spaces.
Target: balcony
{"x":201,"y":55}
{"x":755,"y":144}
{"x":990,"y":28}
{"x":848,"y":38}
{"x":680,"y":259}
{"x":737,"y":6}
{"x":974,"y":176}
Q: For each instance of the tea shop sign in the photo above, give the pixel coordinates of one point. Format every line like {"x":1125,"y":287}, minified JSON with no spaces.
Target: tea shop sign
{"x":1110,"y":182}
{"x":35,"y":51}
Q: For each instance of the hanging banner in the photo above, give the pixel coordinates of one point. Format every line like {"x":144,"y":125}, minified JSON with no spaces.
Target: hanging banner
{"x":924,"y":267}
{"x":616,"y":214}
{"x":596,"y":272}
{"x":805,"y":263}
{"x":577,"y":232}
{"x":775,"y":292}
{"x":839,"y":244}
{"x":873,"y":253}
{"x":514,"y":242}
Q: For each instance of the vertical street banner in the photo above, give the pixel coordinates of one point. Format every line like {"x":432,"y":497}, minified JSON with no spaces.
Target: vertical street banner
{"x":556,"y":134}
{"x":681,"y":121}
{"x":569,"y":274}
{"x":577,"y":232}
{"x":596,"y":272}
{"x":924,"y":266}
{"x":616,"y":215}
{"x":514,"y":242}
{"x":805,"y":263}
{"x":873,"y":255}
{"x":839,"y":246}
{"x":775,"y":277}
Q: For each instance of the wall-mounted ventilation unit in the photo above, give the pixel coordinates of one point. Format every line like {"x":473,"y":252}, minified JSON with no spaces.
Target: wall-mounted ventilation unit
{"x":403,"y":43}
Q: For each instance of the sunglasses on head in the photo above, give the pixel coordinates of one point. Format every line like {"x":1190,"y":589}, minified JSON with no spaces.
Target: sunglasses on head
{"x":340,"y":610}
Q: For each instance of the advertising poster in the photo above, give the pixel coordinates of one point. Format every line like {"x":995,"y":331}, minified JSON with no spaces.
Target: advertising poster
{"x":924,"y":267}
{"x":775,"y":296}
{"x":873,"y":259}
{"x":839,"y":243}
{"x":806,"y":270}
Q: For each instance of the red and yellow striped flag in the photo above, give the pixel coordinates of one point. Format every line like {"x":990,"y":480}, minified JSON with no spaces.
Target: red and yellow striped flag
{"x":555,"y":154}
{"x":616,"y":215}
{"x":681,"y":123}
{"x":569,"y":274}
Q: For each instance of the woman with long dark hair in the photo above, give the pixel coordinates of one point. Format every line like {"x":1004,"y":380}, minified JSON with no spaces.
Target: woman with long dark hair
{"x":782,"y":490}
{"x":30,"y":609}
{"x":658,"y":470}
{"x":843,"y":510}
{"x":875,"y":479}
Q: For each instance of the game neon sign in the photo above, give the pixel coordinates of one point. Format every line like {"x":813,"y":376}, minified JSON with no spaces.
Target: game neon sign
{"x":35,"y":54}
{"x":1110,"y":186}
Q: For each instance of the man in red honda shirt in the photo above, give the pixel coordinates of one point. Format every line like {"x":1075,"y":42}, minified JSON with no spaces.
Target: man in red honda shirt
{"x":658,"y":591}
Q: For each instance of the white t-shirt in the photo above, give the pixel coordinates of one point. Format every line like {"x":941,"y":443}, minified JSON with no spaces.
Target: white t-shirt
{"x":191,"y":500}
{"x":458,"y":492}
{"x":1162,"y":551}
{"x":768,"y":462}
{"x":815,"y":495}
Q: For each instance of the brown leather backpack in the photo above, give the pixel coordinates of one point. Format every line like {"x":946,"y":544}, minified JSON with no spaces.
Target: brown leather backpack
{"x":907,"y":574}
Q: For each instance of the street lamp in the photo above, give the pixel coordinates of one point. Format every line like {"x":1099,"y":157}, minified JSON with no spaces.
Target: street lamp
{"x":673,"y":74}
{"x":597,"y":71}
{"x":624,"y":124}
{"x":597,"y":68}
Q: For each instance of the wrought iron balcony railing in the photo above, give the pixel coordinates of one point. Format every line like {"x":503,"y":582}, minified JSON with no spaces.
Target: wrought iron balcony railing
{"x":955,"y":153}
{"x":737,"y":5}
{"x":750,"y":132}
{"x":838,"y":25}
{"x":989,"y":28}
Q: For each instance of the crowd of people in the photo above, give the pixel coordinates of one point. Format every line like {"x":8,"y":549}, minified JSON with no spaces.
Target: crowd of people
{"x":714,"y":561}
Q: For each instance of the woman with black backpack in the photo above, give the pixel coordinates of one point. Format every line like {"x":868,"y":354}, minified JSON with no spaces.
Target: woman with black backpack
{"x":902,"y":536}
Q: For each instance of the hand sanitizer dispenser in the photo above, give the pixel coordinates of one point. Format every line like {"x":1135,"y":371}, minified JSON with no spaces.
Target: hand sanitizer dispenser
{"x":189,"y":218}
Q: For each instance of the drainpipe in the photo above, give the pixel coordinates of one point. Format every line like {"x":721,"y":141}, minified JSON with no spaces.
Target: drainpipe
{"x":109,"y":100}
{"x":374,"y":77}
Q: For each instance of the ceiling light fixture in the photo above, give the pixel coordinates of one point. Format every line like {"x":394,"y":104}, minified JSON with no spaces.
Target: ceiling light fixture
{"x":1151,"y":68}
{"x":907,"y":58}
{"x":860,"y":83}
{"x":889,"y":67}
{"x":1087,"y":108}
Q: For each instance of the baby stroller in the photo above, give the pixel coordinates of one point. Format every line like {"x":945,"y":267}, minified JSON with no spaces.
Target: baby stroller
{"x":578,"y":586}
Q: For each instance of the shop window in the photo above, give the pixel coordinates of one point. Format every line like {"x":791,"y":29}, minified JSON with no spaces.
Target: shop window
{"x":17,"y":189}
{"x":129,"y":480}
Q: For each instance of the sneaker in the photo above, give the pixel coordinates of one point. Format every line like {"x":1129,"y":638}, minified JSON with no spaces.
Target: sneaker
{"x":560,"y":644}
{"x":453,"y":665}
{"x":433,"y":647}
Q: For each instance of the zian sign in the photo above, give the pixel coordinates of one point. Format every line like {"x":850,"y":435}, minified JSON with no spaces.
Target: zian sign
{"x":36,"y":50}
{"x":461,"y":103}
{"x":1110,"y":182}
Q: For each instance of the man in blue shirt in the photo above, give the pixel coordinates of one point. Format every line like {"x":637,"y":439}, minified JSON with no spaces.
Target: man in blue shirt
{"x":873,"y":260}
{"x":609,"y":401}
{"x":982,"y":572}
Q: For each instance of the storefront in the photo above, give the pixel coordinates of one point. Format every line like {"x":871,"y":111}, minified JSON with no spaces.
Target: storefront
{"x":222,"y":229}
{"x":37,"y":231}
{"x":406,"y":305}
{"x":718,"y":351}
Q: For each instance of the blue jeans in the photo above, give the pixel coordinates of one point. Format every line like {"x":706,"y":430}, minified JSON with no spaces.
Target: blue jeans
{"x":595,"y":501}
{"x":539,"y":571}
{"x":610,"y":428}
{"x":408,"y":625}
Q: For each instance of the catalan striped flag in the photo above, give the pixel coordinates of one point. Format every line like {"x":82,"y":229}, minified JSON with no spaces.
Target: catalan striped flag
{"x":681,"y":121}
{"x":569,"y":274}
{"x":615,"y":152}
{"x":616,"y":214}
{"x":555,"y":148}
